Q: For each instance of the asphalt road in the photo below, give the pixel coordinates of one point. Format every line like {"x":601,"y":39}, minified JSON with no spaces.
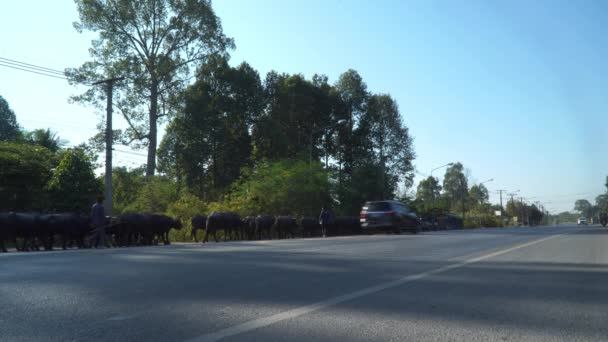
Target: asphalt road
{"x":516,"y":284}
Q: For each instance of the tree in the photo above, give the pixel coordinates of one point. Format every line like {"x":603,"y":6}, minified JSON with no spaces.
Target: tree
{"x":601,"y":201}
{"x":296,"y":112}
{"x":153,"y":43}
{"x":283,"y":187}
{"x":352,"y":90}
{"x":155,"y":196}
{"x":583,"y":207}
{"x":24,"y":172}
{"x":387,"y":143}
{"x":428,"y":192}
{"x":9,"y":129}
{"x":478,"y":195}
{"x":45,"y":138}
{"x":73,"y":186}
{"x":210,"y":142}
{"x":126,"y":185}
{"x":455,"y":187}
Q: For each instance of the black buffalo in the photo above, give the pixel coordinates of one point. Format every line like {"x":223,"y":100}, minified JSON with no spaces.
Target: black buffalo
{"x":145,"y":228}
{"x":71,"y":227}
{"x":285,"y":226}
{"x":199,"y":222}
{"x":248,"y":229}
{"x":8,"y":230}
{"x":263,"y":226}
{"x":229,"y":222}
{"x":310,"y":226}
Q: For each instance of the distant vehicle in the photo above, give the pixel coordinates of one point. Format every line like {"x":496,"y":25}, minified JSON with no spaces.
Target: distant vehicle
{"x":389,"y":216}
{"x":604,"y":219}
{"x":582,"y":221}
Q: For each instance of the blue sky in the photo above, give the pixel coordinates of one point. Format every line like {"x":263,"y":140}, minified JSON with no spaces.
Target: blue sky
{"x":515,"y":90}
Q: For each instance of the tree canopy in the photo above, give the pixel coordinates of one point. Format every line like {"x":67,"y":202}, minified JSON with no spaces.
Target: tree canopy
{"x":9,"y":129}
{"x":153,"y":44}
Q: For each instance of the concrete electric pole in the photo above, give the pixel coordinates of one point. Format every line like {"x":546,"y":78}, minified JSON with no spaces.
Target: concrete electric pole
{"x":109,"y":138}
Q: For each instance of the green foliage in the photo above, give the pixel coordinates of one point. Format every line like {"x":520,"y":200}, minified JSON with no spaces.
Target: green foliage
{"x":73,"y":186}
{"x":9,"y":129}
{"x":184,"y":209}
{"x":455,"y":188}
{"x":210,"y":143}
{"x":427,"y":195}
{"x":154,"y":44}
{"x":157,"y":193}
{"x":281,"y":188}
{"x":478,"y":220}
{"x":126,"y":185}
{"x":45,"y":138}
{"x":584,"y":207}
{"x":24,"y":172}
{"x":478,"y":195}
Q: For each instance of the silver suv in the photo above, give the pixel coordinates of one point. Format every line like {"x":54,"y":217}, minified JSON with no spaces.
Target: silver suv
{"x":392,"y":216}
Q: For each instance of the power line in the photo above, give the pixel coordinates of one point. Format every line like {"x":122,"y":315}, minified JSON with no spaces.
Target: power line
{"x":130,"y":152}
{"x":32,"y":71}
{"x":31,"y":66}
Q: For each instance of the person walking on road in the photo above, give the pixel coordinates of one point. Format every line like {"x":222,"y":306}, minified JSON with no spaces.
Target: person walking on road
{"x":98,"y":221}
{"x":325,"y":220}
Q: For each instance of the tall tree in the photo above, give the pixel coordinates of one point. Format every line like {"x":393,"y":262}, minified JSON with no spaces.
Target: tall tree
{"x":478,"y":195}
{"x":9,"y":129}
{"x":428,"y":192}
{"x":583,"y":207}
{"x":296,"y":112}
{"x":455,"y":187}
{"x":386,"y":141}
{"x":352,"y":90}
{"x":210,"y":142}
{"x":153,"y":43}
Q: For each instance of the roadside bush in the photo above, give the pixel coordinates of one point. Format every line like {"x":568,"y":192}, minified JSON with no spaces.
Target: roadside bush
{"x":184,"y":209}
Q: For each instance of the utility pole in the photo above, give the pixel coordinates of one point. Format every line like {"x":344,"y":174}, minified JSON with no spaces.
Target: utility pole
{"x":109,"y":138}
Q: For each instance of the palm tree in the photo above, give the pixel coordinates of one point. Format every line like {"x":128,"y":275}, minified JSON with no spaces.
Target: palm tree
{"x":45,"y":138}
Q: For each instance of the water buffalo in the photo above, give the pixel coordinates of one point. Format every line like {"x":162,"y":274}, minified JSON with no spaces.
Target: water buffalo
{"x":310,"y":226}
{"x":159,"y":226}
{"x":27,"y":225}
{"x":226,"y":221}
{"x":199,"y":222}
{"x":263,"y":226}
{"x":8,"y":229}
{"x":71,"y":227}
{"x":285,"y":226}
{"x":248,"y":228}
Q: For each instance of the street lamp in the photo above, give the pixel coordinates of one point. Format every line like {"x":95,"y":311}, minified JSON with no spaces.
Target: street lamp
{"x":439,"y":167}
{"x":312,"y":132}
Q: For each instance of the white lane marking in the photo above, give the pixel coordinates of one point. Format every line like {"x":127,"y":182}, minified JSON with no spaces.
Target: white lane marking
{"x":269,"y":320}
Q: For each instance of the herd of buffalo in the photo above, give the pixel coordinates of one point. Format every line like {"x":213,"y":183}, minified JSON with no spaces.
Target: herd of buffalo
{"x":32,"y":231}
